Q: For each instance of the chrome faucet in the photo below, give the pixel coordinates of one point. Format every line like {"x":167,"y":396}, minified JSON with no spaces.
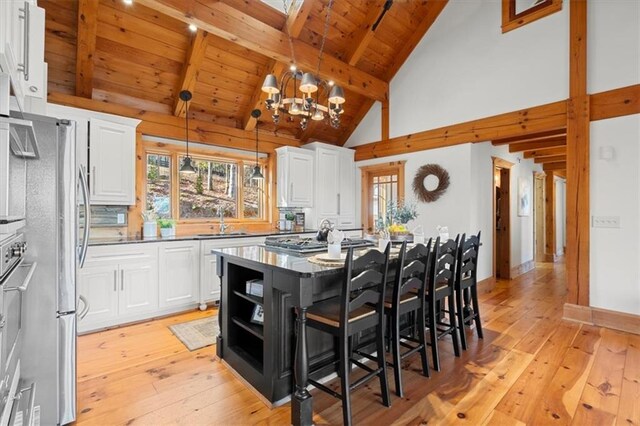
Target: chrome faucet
{"x":223,"y":226}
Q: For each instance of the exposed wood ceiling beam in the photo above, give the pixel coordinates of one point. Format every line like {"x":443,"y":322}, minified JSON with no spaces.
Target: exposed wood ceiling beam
{"x":230,"y":24}
{"x":560,"y":173}
{"x":537,"y":145}
{"x":86,"y":46}
{"x":434,"y":7}
{"x":295,"y":22}
{"x":527,"y":121}
{"x":616,"y":103}
{"x":551,"y":167}
{"x":189,"y":76}
{"x":307,"y":134}
{"x":359,"y":40}
{"x":551,"y":159}
{"x":536,"y":137}
{"x":548,"y":152}
{"x":170,"y":126}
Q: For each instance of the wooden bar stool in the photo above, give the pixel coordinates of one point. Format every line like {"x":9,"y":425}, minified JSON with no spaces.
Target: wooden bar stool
{"x":440,"y":286}
{"x":467,"y":281}
{"x":358,"y":308}
{"x":404,"y":298}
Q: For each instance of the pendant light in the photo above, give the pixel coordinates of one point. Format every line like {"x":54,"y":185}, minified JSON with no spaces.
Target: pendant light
{"x":257,"y":173}
{"x":186,"y":166}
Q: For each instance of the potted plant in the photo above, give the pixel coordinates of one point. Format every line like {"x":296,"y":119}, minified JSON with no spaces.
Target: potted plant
{"x":397,"y":215}
{"x":167,"y":228}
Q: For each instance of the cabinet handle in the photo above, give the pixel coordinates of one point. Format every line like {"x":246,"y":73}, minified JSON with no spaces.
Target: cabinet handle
{"x":115,"y":280}
{"x":291,"y":191}
{"x":338,"y":203}
{"x":122,"y":280}
{"x":93,"y":179}
{"x":24,"y":67}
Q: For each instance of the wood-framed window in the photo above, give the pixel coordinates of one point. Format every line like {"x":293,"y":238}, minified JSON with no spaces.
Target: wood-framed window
{"x":221,"y":184}
{"x":516,"y":13}
{"x":381,"y":183}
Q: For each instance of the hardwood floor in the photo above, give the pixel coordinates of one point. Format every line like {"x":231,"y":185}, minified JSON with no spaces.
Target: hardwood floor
{"x":531,"y":368}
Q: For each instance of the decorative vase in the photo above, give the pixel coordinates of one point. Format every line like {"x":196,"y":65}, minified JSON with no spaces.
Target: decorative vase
{"x":150,"y":230}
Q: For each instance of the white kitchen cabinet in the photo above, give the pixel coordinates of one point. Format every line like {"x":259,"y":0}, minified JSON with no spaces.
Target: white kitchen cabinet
{"x":179,"y":272}
{"x":112,"y":172}
{"x":327,"y":182}
{"x":138,"y":288}
{"x":99,"y":285}
{"x":295,"y":177}
{"x":22,"y":48}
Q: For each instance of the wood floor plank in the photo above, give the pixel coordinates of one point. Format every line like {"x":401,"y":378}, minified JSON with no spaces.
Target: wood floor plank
{"x":498,"y":418}
{"x":629,"y":410}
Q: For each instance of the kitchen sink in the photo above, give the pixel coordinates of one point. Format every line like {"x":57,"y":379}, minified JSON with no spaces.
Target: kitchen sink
{"x":225,"y":234}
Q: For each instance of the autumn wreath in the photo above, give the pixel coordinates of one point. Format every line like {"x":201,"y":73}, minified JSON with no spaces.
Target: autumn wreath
{"x":422,"y":193}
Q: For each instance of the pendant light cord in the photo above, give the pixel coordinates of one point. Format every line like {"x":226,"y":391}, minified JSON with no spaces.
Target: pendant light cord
{"x":324,"y":36}
{"x":286,"y":12}
{"x":186,"y":108}
{"x":257,"y":141}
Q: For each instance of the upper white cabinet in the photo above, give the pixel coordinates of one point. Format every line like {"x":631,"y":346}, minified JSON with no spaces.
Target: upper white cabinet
{"x":334,"y":185}
{"x":106,"y":146}
{"x":295,"y":177}
{"x":22,"y":49}
{"x":112,"y":167}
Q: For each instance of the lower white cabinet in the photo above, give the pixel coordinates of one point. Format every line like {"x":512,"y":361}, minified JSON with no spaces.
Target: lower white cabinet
{"x":138,"y":288}
{"x":99,"y":285}
{"x":179,"y":272}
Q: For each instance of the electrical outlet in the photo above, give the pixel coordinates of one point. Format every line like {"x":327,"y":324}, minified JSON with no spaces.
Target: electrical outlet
{"x":120,"y":218}
{"x":606,"y":222}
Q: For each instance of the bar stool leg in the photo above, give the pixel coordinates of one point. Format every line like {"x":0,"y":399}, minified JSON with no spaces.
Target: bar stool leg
{"x":423,"y":342}
{"x":382,"y":365}
{"x":395,"y":349}
{"x":452,"y":322}
{"x":344,"y":379}
{"x":460,"y":314}
{"x":476,"y":309}
{"x":433,"y":335}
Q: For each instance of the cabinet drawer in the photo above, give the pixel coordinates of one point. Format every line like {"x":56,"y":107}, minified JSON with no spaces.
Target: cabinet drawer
{"x":122,"y":253}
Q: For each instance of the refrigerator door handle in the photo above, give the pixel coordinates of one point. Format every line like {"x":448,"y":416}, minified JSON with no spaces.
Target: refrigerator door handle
{"x":87,"y":215}
{"x":86,"y":308}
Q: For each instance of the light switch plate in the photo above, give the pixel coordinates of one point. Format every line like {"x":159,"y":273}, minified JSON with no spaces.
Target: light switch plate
{"x":606,"y":222}
{"x":120,"y":218}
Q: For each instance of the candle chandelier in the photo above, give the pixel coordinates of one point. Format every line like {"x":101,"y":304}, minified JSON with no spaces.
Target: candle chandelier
{"x":305,"y":94}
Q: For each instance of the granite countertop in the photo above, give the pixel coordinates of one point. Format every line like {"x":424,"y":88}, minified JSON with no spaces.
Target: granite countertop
{"x":197,"y":237}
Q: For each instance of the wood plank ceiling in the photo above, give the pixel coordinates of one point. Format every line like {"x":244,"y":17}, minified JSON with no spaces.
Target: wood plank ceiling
{"x":135,"y":56}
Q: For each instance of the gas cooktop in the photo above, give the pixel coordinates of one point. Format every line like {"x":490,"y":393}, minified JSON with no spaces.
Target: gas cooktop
{"x":309,"y":245}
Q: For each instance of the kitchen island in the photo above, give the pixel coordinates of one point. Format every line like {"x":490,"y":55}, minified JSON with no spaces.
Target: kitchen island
{"x":274,"y":357}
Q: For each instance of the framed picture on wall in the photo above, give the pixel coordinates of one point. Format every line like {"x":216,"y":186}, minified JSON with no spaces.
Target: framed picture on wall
{"x":524,"y":197}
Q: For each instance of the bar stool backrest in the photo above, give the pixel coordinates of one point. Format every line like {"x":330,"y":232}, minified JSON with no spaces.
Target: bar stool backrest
{"x":412,"y":270}
{"x":365,"y":283}
{"x":468,"y":258}
{"x":443,"y":265}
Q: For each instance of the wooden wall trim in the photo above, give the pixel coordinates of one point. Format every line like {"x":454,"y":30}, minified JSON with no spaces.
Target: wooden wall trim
{"x":511,"y":20}
{"x":231,"y":24}
{"x":622,"y":321}
{"x":526,"y":121}
{"x":521,"y":269}
{"x":615,"y":103}
{"x":385,"y":120}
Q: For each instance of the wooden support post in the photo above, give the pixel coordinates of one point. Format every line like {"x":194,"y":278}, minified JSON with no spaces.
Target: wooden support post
{"x":578,"y":117}
{"x":550,"y":217}
{"x":385,"y":120}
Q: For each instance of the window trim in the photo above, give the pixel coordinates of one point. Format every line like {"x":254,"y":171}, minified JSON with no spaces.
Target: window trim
{"x":511,"y":20}
{"x":367,"y":175}
{"x":175,"y":152}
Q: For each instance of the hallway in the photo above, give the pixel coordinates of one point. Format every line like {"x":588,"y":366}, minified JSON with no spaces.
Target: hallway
{"x":531,"y":368}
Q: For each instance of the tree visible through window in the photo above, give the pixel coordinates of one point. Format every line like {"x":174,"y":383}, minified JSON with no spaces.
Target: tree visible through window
{"x":159,"y":184}
{"x":211,"y":190}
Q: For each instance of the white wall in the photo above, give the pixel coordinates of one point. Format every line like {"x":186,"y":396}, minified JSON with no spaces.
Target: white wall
{"x":615,"y":191}
{"x":465,"y":68}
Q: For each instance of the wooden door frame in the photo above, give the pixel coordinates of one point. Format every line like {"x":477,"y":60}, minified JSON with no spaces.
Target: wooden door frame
{"x":539,"y":256}
{"x":366,"y":173}
{"x":504,"y":165}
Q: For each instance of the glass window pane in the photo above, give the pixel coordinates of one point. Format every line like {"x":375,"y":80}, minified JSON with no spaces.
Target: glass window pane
{"x":158,"y":191}
{"x":253,"y":194}
{"x":212,"y":189}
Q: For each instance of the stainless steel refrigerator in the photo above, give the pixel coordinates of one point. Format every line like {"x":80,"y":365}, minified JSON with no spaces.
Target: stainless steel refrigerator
{"x":55,"y":206}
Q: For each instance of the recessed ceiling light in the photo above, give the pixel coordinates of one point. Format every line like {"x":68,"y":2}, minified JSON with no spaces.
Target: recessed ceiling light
{"x":128,"y":2}
{"x":193,"y":28}
{"x":293,"y":68}
{"x":331,"y":83}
